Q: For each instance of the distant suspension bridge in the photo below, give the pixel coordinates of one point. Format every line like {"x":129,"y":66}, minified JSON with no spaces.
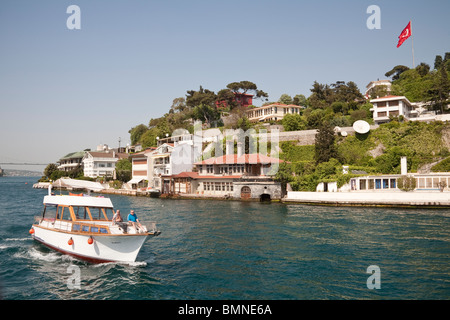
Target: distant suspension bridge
{"x":23,"y":163}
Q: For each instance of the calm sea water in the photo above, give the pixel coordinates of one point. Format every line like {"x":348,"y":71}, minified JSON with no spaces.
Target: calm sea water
{"x":236,"y":250}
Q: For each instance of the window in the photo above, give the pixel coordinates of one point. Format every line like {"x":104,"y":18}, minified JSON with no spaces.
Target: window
{"x":377,"y":183}
{"x":362,"y":184}
{"x":393,"y":103}
{"x":393,"y":184}
{"x":393,"y":113}
{"x":382,"y":114}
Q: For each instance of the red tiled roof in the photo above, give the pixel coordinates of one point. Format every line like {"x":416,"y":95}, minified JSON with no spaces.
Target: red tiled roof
{"x":195,"y":175}
{"x":255,"y":158}
{"x":110,"y":154}
{"x":185,"y":174}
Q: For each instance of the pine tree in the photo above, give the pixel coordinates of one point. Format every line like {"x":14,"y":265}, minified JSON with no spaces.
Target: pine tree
{"x":324,"y":143}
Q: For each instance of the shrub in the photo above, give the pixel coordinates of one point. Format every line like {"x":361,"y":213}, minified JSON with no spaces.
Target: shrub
{"x":406,"y":183}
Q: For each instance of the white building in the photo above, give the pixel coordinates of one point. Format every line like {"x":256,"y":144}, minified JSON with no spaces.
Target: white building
{"x":71,"y":161}
{"x":392,"y":106}
{"x":374,"y":85}
{"x":140,"y":169}
{"x":101,"y":164}
{"x":275,"y":112}
{"x":161,"y":164}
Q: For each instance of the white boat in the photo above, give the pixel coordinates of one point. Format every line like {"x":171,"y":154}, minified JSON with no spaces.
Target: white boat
{"x":81,"y":226}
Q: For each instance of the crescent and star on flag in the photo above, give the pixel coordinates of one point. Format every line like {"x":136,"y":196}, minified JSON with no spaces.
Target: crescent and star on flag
{"x":406,"y":33}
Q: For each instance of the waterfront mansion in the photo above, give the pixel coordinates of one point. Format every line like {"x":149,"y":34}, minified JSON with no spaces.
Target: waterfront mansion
{"x":246,"y":176}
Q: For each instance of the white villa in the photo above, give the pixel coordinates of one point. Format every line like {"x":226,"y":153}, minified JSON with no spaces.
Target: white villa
{"x":373,"y":85}
{"x":151,"y":164}
{"x":71,"y":161}
{"x":392,"y":106}
{"x":101,"y":163}
{"x":275,"y":111}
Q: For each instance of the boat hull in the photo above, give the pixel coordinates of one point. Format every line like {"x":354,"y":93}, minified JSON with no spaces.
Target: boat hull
{"x":104,"y":248}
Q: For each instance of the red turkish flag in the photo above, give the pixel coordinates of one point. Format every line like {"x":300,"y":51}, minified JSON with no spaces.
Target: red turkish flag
{"x":406,"y":33}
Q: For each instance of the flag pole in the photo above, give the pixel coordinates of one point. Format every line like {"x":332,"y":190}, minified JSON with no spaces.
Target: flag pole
{"x":412,"y":44}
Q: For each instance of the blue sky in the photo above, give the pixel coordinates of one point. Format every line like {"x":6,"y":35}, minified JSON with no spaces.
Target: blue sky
{"x":67,"y":90}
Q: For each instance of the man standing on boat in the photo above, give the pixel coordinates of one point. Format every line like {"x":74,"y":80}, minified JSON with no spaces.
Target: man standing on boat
{"x":133,"y":219}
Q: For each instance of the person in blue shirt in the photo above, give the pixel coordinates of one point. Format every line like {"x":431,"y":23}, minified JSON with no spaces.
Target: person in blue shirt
{"x":133,"y":220}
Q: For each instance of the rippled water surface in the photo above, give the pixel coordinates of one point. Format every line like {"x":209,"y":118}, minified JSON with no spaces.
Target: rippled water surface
{"x":236,"y":250}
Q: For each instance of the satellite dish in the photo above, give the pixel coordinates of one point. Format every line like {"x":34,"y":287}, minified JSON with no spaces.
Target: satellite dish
{"x":361,"y":126}
{"x":344,"y":133}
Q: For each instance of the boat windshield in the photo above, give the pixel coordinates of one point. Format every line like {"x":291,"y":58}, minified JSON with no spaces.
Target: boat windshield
{"x":74,"y":213}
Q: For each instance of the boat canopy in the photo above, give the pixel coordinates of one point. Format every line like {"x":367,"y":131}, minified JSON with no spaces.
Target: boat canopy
{"x":78,"y":201}
{"x":79,"y":184}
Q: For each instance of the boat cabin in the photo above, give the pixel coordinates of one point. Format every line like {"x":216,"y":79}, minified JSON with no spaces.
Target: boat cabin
{"x":81,"y":214}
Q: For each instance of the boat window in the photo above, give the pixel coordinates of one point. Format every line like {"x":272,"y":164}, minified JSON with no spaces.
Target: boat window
{"x":75,"y":227}
{"x":64,"y":213}
{"x":51,"y":211}
{"x":94,"y":229}
{"x":99,"y":213}
{"x":85,"y":228}
{"x":103,"y":230}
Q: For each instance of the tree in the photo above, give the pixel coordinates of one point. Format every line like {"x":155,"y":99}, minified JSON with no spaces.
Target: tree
{"x":438,"y":62}
{"x":227,"y":98}
{"x":440,"y":89}
{"x":324,"y":143}
{"x":202,"y":96}
{"x":396,"y":72}
{"x":423,"y":69}
{"x":293,"y":122}
{"x":178,"y":104}
{"x":205,"y":113}
{"x":299,"y":100}
{"x":248,"y":86}
{"x":244,"y":124}
{"x":123,"y":170}
{"x":321,"y":96}
{"x":137,"y":132}
{"x":51,"y":167}
{"x":285,"y":98}
{"x":284,"y":176}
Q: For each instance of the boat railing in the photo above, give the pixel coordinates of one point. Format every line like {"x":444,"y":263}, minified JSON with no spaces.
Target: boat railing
{"x":150,"y":225}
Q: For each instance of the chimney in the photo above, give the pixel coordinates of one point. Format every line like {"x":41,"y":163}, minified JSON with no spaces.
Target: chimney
{"x":403,"y":166}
